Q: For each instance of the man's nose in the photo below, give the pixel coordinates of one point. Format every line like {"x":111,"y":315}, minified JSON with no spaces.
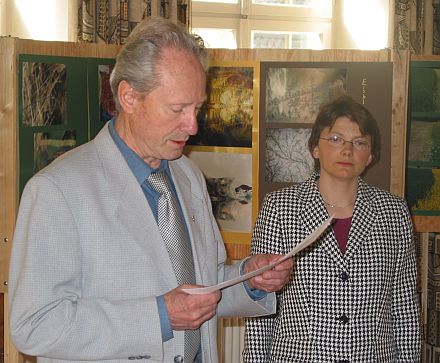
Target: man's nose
{"x":191,"y":125}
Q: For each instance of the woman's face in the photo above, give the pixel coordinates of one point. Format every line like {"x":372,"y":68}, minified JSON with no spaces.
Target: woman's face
{"x":346,"y":152}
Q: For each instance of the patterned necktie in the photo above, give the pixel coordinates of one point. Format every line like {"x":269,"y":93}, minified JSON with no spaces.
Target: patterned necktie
{"x":174,"y":234}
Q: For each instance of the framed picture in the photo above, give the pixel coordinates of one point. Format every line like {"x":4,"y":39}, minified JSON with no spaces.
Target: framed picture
{"x":226,"y":118}
{"x":226,"y":147}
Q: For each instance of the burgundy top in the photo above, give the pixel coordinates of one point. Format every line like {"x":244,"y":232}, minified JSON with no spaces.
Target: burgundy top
{"x":341,"y":228}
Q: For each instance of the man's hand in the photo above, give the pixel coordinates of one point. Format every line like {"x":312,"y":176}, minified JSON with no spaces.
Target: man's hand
{"x":272,"y":280}
{"x":190,"y":311}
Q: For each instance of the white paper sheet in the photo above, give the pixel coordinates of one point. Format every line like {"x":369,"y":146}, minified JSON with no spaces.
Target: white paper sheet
{"x":300,"y":246}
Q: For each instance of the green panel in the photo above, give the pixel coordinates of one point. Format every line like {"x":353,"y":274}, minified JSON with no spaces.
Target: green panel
{"x":52,"y":115}
{"x":422,"y":174}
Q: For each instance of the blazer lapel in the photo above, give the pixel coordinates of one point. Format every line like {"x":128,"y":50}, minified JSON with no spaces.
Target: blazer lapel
{"x":314,"y":213}
{"x":364,"y":216}
{"x":130,"y":205}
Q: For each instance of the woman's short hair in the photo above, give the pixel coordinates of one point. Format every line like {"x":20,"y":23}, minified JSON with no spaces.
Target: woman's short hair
{"x":345,"y":106}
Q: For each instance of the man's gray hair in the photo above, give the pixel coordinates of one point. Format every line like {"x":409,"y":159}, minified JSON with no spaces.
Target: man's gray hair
{"x":137,"y":61}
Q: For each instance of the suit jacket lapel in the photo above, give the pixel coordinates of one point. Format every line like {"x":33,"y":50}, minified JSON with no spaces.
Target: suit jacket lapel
{"x":313,"y":214}
{"x":364,"y":216}
{"x":130,"y":205}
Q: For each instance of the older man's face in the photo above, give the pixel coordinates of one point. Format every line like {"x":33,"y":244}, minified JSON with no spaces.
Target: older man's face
{"x":163,"y":120}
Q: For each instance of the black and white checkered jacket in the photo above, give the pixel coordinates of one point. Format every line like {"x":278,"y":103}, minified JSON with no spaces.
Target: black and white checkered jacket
{"x":358,"y":307}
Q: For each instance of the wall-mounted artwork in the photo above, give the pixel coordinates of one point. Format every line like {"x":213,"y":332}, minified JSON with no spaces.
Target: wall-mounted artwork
{"x":226,"y":146}
{"x":423,"y":165}
{"x":294,"y":95}
{"x":291,"y":94}
{"x":51,"y":144}
{"x":228,"y":114}
{"x":229,"y":182}
{"x":44,"y":94}
{"x":107,"y":108}
{"x":287,"y":157}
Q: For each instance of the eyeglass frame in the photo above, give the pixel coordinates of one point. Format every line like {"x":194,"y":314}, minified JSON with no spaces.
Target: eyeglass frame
{"x":334,"y":139}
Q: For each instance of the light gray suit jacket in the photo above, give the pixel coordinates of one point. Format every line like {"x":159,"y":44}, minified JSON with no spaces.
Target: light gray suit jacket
{"x":88,"y":262}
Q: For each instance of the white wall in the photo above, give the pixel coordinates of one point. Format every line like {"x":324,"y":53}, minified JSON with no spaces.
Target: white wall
{"x":360,"y":24}
{"x":37,"y":19}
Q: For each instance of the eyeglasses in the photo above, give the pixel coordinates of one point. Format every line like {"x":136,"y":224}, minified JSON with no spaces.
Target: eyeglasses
{"x":338,"y":141}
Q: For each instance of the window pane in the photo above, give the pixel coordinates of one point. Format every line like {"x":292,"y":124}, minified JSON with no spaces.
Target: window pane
{"x":270,"y":40}
{"x":306,"y":41}
{"x":217,"y":38}
{"x":285,"y":2}
{"x":286,"y":40}
{"x":218,"y":1}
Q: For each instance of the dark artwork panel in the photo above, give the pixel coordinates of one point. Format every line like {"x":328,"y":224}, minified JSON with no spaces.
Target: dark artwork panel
{"x":44,"y":94}
{"x":287,"y":157}
{"x":226,"y":118}
{"x":424,"y":142}
{"x":107,"y":108}
{"x":422,"y":190}
{"x":294,"y":95}
{"x":49,"y":145}
{"x":425,"y":89}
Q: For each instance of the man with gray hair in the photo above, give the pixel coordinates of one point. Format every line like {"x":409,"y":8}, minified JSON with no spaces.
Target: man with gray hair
{"x":110,"y":234}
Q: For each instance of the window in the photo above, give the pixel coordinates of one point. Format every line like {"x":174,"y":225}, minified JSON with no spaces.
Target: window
{"x":290,"y":24}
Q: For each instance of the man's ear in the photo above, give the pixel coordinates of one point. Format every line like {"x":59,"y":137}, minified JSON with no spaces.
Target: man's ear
{"x":126,"y":96}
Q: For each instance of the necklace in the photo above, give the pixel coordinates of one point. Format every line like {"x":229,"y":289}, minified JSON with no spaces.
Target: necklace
{"x":337,"y":206}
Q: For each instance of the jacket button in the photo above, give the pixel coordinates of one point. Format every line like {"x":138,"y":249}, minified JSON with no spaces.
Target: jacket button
{"x":178,"y":359}
{"x":343,"y":319}
{"x":344,"y":276}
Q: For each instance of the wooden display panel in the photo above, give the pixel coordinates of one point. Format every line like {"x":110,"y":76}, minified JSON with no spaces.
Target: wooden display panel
{"x":10,"y":49}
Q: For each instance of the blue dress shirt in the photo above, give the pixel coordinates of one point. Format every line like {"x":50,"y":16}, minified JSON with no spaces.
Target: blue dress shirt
{"x":141,"y":171}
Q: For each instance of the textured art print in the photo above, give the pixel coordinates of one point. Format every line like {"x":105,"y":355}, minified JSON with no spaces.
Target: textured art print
{"x":227,"y":116}
{"x":107,"y":108}
{"x":287,"y":157}
{"x":49,"y":145}
{"x":229,"y":182}
{"x":44,"y":94}
{"x":294,"y":95}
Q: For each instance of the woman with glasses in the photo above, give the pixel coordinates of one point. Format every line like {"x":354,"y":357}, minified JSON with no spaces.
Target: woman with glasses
{"x":352,"y":296}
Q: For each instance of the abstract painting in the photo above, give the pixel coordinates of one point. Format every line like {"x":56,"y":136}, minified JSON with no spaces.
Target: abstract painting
{"x":294,"y":95}
{"x":287,"y":156}
{"x":229,"y":182}
{"x":44,"y":94}
{"x":49,"y":145}
{"x":227,"y":117}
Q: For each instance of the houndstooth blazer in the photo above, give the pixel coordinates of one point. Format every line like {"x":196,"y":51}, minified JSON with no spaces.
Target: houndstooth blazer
{"x":357,"y":307}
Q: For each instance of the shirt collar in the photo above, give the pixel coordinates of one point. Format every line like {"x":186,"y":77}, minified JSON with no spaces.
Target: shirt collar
{"x":140,"y":169}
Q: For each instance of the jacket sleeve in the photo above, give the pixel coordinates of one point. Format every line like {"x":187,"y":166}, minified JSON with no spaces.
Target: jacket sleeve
{"x":48,"y":314}
{"x":405,"y":306}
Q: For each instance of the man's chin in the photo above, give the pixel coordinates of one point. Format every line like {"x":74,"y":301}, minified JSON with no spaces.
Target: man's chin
{"x":175,"y":155}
